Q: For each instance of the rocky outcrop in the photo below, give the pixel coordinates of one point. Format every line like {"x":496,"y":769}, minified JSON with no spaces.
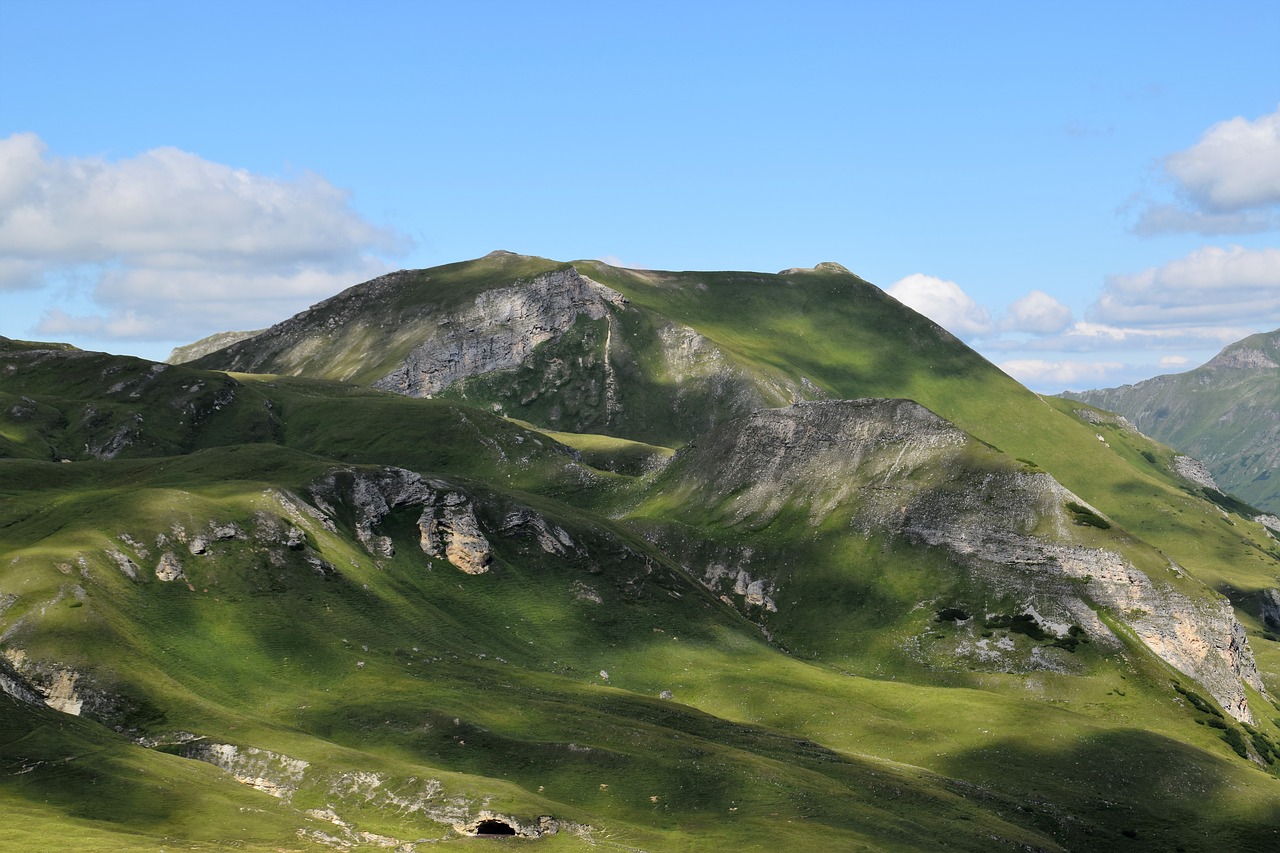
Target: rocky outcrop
{"x":60,"y":693}
{"x":286,"y":777}
{"x":500,"y":330}
{"x":169,"y":568}
{"x":1189,"y":468}
{"x":35,"y":682}
{"x":805,"y":454}
{"x":1250,"y":358}
{"x":551,"y":538}
{"x":1199,"y":636}
{"x":261,"y":769}
{"x":12,"y":683}
{"x":1270,"y":606}
{"x":204,"y":346}
{"x":371,"y":496}
{"x":124,"y":563}
{"x":449,"y":529}
{"x":726,"y":579}
{"x":447,"y":525}
{"x":894,"y":467}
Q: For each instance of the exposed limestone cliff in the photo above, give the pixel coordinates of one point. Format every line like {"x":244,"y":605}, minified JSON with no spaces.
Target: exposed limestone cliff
{"x":1194,"y":470}
{"x":447,"y":524}
{"x":891,"y":466}
{"x":12,"y":683}
{"x":267,"y":771}
{"x":551,"y":538}
{"x":169,"y":568}
{"x":449,"y":529}
{"x":204,"y":346}
{"x":357,"y":792}
{"x":499,"y":331}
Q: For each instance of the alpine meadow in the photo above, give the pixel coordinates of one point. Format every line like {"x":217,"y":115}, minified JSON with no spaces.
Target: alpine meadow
{"x":519,"y":553}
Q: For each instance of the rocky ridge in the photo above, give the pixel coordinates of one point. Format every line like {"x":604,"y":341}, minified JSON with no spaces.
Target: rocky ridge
{"x":500,"y":330}
{"x":892,"y":466}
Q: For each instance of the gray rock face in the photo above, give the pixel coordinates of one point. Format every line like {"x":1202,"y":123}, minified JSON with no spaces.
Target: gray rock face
{"x":125,"y":563}
{"x":894,"y":467}
{"x":1270,"y":601}
{"x":270,"y":772}
{"x":1194,"y":470}
{"x":372,"y":496}
{"x":499,"y":331}
{"x":449,"y":529}
{"x":447,"y":525}
{"x":806,"y":452}
{"x":204,"y":346}
{"x":551,"y":538}
{"x":13,"y":684}
{"x":169,"y":568}
{"x":1242,"y":358}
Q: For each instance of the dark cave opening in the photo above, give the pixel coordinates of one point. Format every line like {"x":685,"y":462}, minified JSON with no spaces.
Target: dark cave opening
{"x":494,"y":827}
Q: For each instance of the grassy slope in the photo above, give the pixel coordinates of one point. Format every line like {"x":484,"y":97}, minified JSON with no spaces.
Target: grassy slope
{"x":268,"y":658}
{"x":1221,"y":414}
{"x":853,"y":341}
{"x":247,"y":670}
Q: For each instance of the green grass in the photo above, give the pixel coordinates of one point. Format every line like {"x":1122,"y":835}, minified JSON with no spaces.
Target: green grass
{"x":856,"y":722}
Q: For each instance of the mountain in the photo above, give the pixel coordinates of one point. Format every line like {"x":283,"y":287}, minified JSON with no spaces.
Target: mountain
{"x":1225,"y":413}
{"x":621,"y":559}
{"x":204,"y":346}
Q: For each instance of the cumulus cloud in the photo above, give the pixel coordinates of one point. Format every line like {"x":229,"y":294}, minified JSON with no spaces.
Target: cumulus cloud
{"x":1211,"y":285}
{"x":1075,"y":375}
{"x":944,"y":302}
{"x":171,"y":239}
{"x":1038,"y":313}
{"x":1234,"y":166}
{"x":1227,"y":183}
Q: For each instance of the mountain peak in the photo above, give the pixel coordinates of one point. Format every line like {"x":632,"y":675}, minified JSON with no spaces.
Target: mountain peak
{"x":825,"y":266}
{"x":1256,"y":352}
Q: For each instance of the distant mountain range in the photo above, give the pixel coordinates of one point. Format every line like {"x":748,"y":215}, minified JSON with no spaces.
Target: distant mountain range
{"x":616,"y":559}
{"x":1225,"y":413}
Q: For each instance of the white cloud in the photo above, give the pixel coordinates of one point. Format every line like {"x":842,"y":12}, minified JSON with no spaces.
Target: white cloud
{"x":944,"y":302}
{"x":1212,"y":285}
{"x":1037,"y":312}
{"x":1085,"y":336}
{"x":1234,"y":166}
{"x":1174,"y":361}
{"x":1075,"y":375}
{"x":1169,"y":218}
{"x":178,"y":245}
{"x":1227,"y":183}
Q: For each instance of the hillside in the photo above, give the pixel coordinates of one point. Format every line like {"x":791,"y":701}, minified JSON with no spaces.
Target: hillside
{"x":1223,"y":413}
{"x":623,"y":559}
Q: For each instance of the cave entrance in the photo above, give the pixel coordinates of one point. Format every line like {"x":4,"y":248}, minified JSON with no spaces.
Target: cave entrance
{"x":494,"y":827}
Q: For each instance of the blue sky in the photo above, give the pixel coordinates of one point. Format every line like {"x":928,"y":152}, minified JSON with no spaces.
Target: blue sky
{"x":1088,"y":193}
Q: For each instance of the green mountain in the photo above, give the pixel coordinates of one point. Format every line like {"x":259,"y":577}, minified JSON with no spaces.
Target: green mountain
{"x":624,"y":559}
{"x":1225,"y":413}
